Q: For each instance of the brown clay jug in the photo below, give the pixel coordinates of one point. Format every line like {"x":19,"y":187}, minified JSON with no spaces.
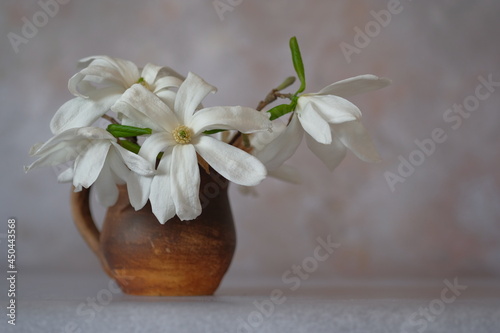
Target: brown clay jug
{"x":178,"y":258}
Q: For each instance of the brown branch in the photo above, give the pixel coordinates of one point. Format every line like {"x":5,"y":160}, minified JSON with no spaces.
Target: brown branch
{"x":110,"y":119}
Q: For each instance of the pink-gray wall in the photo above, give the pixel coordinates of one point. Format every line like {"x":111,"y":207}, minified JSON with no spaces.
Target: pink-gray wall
{"x":443,"y":220}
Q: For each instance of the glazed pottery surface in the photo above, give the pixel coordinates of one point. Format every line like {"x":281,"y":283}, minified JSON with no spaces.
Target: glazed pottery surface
{"x":174,"y":259}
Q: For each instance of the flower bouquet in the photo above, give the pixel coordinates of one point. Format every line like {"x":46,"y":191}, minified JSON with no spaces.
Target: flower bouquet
{"x":163,"y":163}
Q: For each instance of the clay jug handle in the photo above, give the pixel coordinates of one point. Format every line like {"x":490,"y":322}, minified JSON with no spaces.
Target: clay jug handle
{"x":80,"y":209}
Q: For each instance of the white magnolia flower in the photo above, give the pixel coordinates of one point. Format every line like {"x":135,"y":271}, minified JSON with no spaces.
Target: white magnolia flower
{"x":330,"y":123}
{"x":179,"y":134}
{"x":259,"y":141}
{"x":98,"y":160}
{"x":99,"y":85}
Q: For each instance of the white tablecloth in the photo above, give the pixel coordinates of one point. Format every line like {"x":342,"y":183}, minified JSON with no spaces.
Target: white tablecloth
{"x":90,"y":302}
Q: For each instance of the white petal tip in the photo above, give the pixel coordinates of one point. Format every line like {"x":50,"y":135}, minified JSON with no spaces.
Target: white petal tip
{"x":256,"y":181}
{"x":161,"y":217}
{"x":188,"y":218}
{"x":385,"y":81}
{"x":134,"y":206}
{"x":323,"y":140}
{"x":35,"y":148}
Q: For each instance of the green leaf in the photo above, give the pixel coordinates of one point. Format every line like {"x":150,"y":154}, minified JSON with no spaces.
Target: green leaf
{"x":122,"y":131}
{"x":280,"y":110}
{"x":287,"y":83}
{"x":213,"y":131}
{"x":133,"y":147}
{"x":298,"y":64}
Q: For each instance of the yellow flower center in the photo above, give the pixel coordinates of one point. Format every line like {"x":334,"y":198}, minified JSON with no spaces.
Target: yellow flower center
{"x":143,"y":82}
{"x":182,"y":134}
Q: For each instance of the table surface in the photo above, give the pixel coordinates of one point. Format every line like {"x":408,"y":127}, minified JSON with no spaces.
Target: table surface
{"x":90,"y":302}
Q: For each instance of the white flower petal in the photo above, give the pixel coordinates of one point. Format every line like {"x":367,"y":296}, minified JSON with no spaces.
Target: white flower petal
{"x":331,"y":154}
{"x":333,"y":109}
{"x":66,"y":146}
{"x":189,"y":96}
{"x":232,"y":163}
{"x":94,"y":78}
{"x":105,"y":188}
{"x":355,"y":85}
{"x":354,"y":136}
{"x":167,"y":71}
{"x":124,"y":69}
{"x":81,"y":112}
{"x":126,"y":121}
{"x":128,"y":71}
{"x":283,"y":147}
{"x":34,"y":148}
{"x":115,"y":162}
{"x":154,"y":144}
{"x":167,"y":97}
{"x":160,"y":195}
{"x":166,"y":82}
{"x":185,"y":182}
{"x":150,"y":72}
{"x":138,"y":188}
{"x":95,"y":133}
{"x":89,"y":163}
{"x":57,"y":154}
{"x":314,"y":124}
{"x":66,"y":176}
{"x":85,"y":62}
{"x":261,"y":139}
{"x":143,"y":107}
{"x":286,"y":173}
{"x":66,"y":137}
{"x":243,"y":119}
{"x":133,"y":161}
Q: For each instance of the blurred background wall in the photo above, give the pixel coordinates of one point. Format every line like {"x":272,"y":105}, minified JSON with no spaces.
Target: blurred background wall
{"x":441,"y":218}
